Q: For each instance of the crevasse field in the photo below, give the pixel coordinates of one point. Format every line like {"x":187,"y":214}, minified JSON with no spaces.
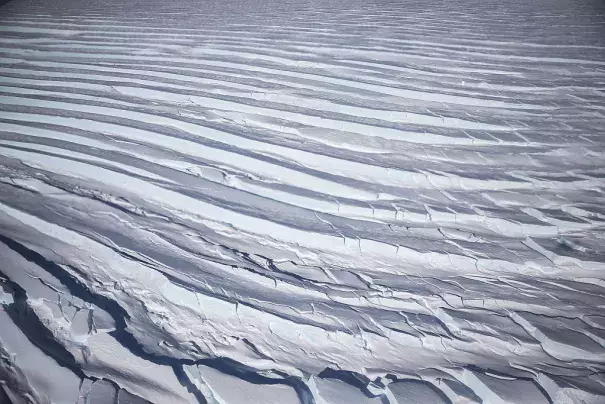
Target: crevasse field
{"x":302,"y":202}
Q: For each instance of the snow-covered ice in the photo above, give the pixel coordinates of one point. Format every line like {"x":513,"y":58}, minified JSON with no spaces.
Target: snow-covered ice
{"x":305,"y":202}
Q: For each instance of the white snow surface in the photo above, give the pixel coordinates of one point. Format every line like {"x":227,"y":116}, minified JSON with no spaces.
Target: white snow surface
{"x":306,"y":202}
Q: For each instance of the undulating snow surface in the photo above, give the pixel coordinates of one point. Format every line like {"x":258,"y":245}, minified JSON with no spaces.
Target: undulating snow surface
{"x":328,"y":202}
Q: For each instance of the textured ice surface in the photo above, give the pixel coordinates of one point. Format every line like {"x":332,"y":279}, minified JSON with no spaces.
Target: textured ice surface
{"x":314,"y":202}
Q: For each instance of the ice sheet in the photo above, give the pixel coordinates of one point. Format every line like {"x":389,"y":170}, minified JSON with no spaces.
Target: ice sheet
{"x":312,"y":202}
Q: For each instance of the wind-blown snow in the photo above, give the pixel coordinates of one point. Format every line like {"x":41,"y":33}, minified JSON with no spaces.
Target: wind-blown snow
{"x":307,"y":202}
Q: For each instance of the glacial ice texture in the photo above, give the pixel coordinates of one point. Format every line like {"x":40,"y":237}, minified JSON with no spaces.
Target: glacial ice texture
{"x":316,"y":202}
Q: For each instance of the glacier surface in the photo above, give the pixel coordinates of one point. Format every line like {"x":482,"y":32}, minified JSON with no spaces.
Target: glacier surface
{"x":302,"y":202}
